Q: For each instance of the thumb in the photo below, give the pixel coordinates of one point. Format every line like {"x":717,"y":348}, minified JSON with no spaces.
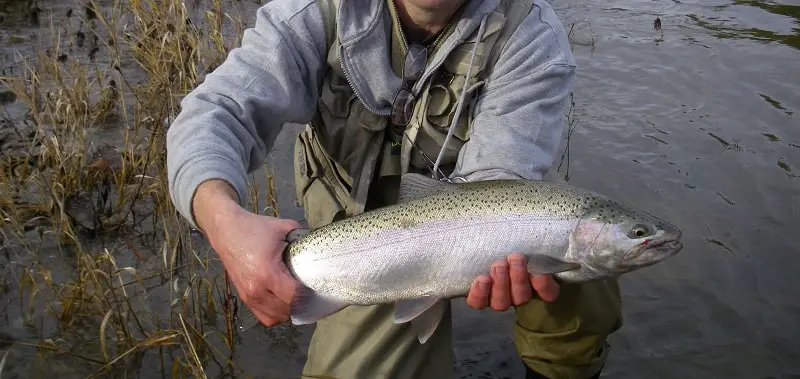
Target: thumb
{"x":283,"y":226}
{"x":283,"y":285}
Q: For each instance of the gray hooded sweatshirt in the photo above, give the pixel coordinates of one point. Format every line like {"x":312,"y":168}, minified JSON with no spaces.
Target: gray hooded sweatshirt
{"x":228,"y":124}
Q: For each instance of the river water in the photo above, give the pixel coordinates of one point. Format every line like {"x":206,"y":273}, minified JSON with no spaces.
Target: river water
{"x":699,"y":123}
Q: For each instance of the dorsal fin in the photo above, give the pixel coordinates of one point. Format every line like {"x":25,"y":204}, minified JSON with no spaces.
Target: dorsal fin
{"x":414,"y":186}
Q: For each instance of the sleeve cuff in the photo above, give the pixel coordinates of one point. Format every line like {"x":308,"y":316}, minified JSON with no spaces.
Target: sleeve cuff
{"x":195,"y":173}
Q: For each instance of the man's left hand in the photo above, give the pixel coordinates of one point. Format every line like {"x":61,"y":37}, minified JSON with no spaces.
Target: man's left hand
{"x":510,"y":284}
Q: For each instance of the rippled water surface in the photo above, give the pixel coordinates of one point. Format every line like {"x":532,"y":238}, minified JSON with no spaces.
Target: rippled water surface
{"x":699,"y":123}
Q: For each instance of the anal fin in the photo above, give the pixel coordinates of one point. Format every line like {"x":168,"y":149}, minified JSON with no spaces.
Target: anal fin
{"x":425,"y":315}
{"x":308,"y":307}
{"x":407,"y":310}
{"x":426,"y":323}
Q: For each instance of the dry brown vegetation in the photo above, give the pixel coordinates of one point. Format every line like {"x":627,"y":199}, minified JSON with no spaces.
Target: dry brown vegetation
{"x":107,"y":279}
{"x":103,"y":207}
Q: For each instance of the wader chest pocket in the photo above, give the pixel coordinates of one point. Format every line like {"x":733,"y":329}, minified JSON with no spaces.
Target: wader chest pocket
{"x":318,"y":189}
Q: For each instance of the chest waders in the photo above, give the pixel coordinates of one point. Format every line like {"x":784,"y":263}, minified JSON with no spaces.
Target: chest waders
{"x":346,"y":161}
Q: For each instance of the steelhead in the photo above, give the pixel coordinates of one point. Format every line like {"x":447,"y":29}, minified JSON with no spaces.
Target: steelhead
{"x":431,"y":245}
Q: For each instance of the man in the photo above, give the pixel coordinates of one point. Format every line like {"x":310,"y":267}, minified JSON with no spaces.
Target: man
{"x":459,"y":89}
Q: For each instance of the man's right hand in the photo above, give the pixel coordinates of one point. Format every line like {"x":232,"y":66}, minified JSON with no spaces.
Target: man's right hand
{"x":250,"y":247}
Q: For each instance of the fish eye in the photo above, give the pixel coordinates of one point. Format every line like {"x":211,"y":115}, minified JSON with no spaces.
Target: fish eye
{"x":639,"y":231}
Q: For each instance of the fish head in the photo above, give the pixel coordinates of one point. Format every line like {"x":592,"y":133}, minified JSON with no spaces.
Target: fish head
{"x":614,"y":238}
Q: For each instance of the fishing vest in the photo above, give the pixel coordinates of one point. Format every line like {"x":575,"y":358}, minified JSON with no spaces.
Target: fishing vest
{"x":337,"y":155}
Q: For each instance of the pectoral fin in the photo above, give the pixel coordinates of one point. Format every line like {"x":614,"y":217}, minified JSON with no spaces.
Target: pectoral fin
{"x":540,"y":264}
{"x":425,"y":314}
{"x":308,"y":307}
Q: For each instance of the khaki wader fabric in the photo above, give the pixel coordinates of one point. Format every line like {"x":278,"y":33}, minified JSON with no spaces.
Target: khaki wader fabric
{"x":561,"y":340}
{"x":564,"y":339}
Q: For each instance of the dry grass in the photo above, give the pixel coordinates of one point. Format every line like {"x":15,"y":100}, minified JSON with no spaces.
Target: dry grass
{"x":104,"y":207}
{"x":571,"y":119}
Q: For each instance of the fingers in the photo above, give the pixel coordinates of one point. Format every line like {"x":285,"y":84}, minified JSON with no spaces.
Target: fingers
{"x":281,"y":282}
{"x":521,"y":291}
{"x":546,"y":286}
{"x":266,"y":307}
{"x":510,"y":284}
{"x":500,"y":298}
{"x":478,"y":295}
{"x":271,"y":310}
{"x":276,"y":309}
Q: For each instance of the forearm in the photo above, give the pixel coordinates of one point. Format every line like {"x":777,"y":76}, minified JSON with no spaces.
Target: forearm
{"x":214,"y":202}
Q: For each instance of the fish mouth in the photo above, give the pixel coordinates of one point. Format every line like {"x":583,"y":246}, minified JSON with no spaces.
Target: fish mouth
{"x":654,"y":252}
{"x":666,"y":248}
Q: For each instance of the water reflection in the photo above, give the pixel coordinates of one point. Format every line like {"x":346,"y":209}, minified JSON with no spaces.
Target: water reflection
{"x":792,"y":11}
{"x":775,"y":103}
{"x":721,"y":30}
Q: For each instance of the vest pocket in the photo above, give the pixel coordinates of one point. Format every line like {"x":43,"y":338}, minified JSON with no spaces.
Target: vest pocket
{"x":319,"y":190}
{"x":437,"y":106}
{"x":433,"y":118}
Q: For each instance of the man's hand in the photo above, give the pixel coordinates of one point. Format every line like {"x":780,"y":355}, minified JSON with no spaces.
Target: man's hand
{"x":510,"y":284}
{"x":251,"y":248}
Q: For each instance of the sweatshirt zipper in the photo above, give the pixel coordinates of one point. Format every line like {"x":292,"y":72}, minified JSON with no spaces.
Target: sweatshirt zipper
{"x":345,"y":69}
{"x":425,"y":75}
{"x":434,"y":66}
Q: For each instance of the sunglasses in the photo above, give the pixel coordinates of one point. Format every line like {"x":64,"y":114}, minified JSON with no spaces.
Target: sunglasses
{"x":404,"y":99}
